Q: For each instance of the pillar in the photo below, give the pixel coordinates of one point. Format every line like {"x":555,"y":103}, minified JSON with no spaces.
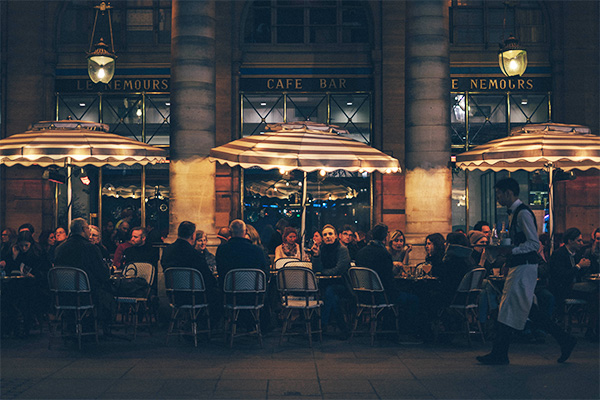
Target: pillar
{"x":192,"y":176}
{"x":428,"y":182}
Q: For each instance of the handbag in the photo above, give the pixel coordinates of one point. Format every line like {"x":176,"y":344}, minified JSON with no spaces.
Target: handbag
{"x":131,"y":285}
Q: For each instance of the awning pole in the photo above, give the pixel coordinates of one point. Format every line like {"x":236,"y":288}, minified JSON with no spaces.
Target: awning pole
{"x":303,"y":224}
{"x":551,"y":205}
{"x":143,"y":197}
{"x":100,"y":198}
{"x":69,"y":191}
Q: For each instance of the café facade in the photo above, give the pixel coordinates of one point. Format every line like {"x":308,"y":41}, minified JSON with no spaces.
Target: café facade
{"x":419,"y":81}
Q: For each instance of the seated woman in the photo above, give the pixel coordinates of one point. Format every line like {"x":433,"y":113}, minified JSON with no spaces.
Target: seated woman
{"x":434,"y":250}
{"x":455,"y":264}
{"x":316,"y":241}
{"x":46,"y":240}
{"x":28,"y":259}
{"x":478,"y":241}
{"x":289,"y":247}
{"x":200,"y":246}
{"x":399,"y":250}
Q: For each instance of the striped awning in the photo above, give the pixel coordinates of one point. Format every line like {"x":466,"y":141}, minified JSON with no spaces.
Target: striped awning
{"x":304,"y":146}
{"x":78,"y":143}
{"x":531,"y":147}
{"x":282,"y":189}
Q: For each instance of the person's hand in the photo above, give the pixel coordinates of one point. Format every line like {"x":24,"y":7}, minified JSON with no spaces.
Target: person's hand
{"x":584,"y":263}
{"x":2,"y":264}
{"x":315,"y":250}
{"x":408,"y":248}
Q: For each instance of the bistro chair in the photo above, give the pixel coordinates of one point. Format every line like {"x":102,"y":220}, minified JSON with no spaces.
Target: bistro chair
{"x":132,"y":307}
{"x":244,"y":290}
{"x":299,"y":292}
{"x":465,"y":305}
{"x":187,"y":299}
{"x":298,"y":263}
{"x":370,"y":295}
{"x":575,"y":309}
{"x":280,"y":263}
{"x":73,"y":303}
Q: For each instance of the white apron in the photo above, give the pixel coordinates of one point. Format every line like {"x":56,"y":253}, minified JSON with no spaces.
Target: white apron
{"x":517,"y":295}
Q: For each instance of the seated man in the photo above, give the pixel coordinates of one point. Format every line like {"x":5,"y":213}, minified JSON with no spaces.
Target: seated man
{"x":239,"y":252}
{"x":182,"y":254}
{"x":332,"y":258}
{"x":78,"y":252}
{"x":348,"y":239}
{"x":141,"y":250}
{"x":566,"y":269}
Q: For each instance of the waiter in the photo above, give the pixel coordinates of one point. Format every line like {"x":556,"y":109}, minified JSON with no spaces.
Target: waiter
{"x":517,"y":297}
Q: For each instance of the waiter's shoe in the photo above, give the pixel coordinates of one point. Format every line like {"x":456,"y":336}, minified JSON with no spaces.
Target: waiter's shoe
{"x":566,"y":349}
{"x":493,"y":359}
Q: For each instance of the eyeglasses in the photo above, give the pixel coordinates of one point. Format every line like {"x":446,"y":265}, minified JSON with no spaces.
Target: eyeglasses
{"x":329,"y":234}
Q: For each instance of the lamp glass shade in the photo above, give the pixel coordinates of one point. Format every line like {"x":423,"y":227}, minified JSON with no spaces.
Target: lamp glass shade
{"x":101,"y":68}
{"x":513,"y":62}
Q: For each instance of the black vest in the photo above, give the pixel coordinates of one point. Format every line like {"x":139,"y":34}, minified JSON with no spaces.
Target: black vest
{"x":516,"y":235}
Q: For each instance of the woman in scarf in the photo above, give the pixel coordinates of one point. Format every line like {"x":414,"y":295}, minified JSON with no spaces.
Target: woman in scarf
{"x":289,"y":246}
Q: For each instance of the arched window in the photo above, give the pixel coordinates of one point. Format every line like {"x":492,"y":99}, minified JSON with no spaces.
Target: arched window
{"x":306,"y":22}
{"x":483,"y":22}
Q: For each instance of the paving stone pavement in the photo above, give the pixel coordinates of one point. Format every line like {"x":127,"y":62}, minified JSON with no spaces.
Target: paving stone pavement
{"x":148,"y":369}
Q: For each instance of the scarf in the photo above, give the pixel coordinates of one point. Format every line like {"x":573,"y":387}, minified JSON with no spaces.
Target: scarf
{"x":289,"y":250}
{"x":329,"y":254}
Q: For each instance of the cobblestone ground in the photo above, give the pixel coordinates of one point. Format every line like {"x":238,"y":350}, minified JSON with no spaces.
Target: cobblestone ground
{"x":147,"y":369}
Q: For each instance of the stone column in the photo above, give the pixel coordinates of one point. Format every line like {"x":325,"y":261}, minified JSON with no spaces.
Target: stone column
{"x":193,"y":99}
{"x":428,"y":179}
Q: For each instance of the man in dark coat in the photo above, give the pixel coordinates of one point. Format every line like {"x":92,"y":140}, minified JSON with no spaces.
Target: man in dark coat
{"x":566,"y":266}
{"x":78,"y":252}
{"x":239,"y":252}
{"x":376,"y":257}
{"x":182,"y":254}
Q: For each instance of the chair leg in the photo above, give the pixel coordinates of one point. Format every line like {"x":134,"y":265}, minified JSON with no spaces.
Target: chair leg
{"x":356,"y":319}
{"x":468,"y":327}
{"x":256,"y":315}
{"x":286,"y":317}
{"x":78,"y":329}
{"x":95,"y":316}
{"x":373,"y":326}
{"x":194,"y":322}
{"x":171,"y":324}
{"x":308,"y":327}
{"x":236,"y":314}
{"x":320,"y":325}
{"x":397,"y":320}
{"x":208,"y":322}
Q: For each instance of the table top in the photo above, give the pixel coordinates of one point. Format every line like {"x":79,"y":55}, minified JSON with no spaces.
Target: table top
{"x":10,"y":277}
{"x":319,"y":276}
{"x":414,"y":278}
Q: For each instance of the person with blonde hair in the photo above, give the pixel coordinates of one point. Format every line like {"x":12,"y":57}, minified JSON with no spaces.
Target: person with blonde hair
{"x":399,"y":250}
